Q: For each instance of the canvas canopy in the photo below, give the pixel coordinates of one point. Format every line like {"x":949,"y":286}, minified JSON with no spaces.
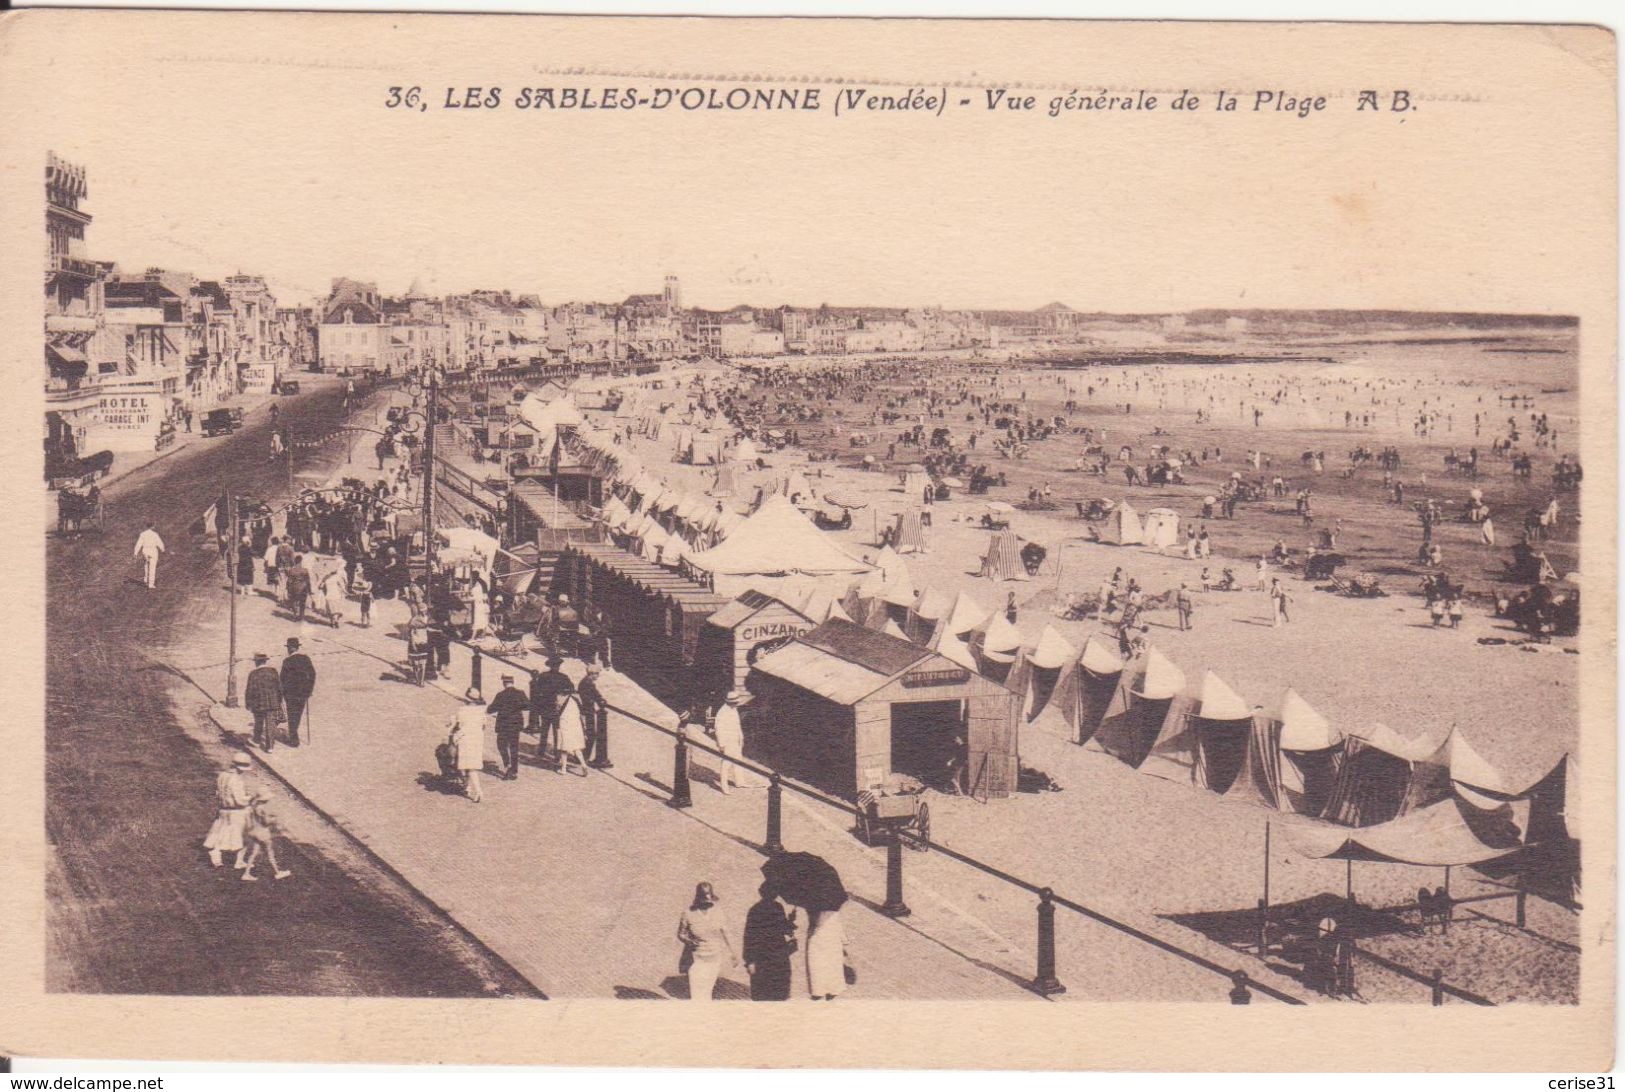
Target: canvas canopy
{"x":1052,"y":651}
{"x":1000,"y":641}
{"x":775,"y":540}
{"x":1383,"y":776}
{"x":1449,"y":832}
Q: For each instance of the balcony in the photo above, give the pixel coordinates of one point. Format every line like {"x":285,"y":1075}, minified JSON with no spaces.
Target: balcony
{"x":70,"y":324}
{"x":63,"y":264}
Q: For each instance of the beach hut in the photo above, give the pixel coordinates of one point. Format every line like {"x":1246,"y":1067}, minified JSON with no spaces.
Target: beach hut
{"x":1133,"y":722}
{"x":742,"y":632}
{"x":726,"y":482}
{"x":845,"y":708}
{"x":997,"y":645}
{"x":1003,"y":558}
{"x":1221,"y":730}
{"x":1161,"y":528}
{"x":908,"y":534}
{"x":1122,"y":526}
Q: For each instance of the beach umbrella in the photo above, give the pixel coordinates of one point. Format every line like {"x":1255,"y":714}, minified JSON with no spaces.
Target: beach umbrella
{"x":843,"y":498}
{"x":805,"y":880}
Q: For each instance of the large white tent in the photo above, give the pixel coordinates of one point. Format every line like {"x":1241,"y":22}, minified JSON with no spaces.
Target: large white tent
{"x":776,"y":543}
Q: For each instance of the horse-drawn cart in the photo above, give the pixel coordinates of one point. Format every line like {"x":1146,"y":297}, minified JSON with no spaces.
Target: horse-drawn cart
{"x":79,"y":511}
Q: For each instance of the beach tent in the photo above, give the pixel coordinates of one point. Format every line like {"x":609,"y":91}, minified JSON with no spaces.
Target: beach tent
{"x":997,"y":644}
{"x":926,"y":612}
{"x":892,"y":629}
{"x":776,"y":542}
{"x":1122,"y":526}
{"x":547,"y":416}
{"x":745,"y":451}
{"x":1003,"y":558}
{"x":726,"y":482}
{"x":672,"y":552}
{"x":962,"y":619}
{"x":796,"y":486}
{"x":910,"y":532}
{"x":705,"y":448}
{"x":1161,"y":528}
{"x":890,"y":565}
{"x":1308,"y":751}
{"x":1100,"y":670}
{"x":1134,"y":721}
{"x":1222,"y":729}
{"x":913,"y":479}
{"x":653,"y":541}
{"x":1051,"y":660}
{"x":1383,"y":776}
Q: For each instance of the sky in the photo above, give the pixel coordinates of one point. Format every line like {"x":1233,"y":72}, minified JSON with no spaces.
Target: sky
{"x":274,"y":153}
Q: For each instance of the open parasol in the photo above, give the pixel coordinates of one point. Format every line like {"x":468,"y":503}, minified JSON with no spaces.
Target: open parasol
{"x":806,"y":880}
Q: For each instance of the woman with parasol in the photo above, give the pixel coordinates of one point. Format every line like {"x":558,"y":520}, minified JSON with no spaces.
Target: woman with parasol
{"x":812,"y":883}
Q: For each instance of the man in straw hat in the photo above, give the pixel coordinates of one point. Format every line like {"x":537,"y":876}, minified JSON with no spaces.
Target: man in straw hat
{"x":263,"y":696}
{"x":730,"y":737}
{"x":232,"y":799}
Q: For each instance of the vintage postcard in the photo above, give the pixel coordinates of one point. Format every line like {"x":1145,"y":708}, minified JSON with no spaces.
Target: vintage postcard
{"x":1042,"y":544}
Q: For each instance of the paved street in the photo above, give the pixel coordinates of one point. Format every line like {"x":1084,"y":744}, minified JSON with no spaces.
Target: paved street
{"x":133,"y":904}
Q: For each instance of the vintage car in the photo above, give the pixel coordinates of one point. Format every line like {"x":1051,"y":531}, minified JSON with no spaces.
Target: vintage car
{"x":220,"y":422}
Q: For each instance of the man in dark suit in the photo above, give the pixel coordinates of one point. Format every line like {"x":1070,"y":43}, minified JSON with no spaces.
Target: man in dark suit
{"x":509,"y":707}
{"x":592,"y":719}
{"x":262,"y":696}
{"x":770,"y":939}
{"x":298,"y":683}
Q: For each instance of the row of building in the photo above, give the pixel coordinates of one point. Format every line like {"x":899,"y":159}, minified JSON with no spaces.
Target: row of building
{"x":128,"y":356}
{"x":363,"y":331}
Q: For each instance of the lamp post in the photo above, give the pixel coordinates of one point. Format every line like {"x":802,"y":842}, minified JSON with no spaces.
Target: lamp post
{"x":231,"y":590}
{"x":433,"y":406}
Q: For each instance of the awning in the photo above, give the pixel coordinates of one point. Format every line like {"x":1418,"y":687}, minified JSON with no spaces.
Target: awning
{"x":67,"y":354}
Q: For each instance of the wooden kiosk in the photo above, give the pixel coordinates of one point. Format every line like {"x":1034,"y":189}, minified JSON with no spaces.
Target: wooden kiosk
{"x":844,"y":708}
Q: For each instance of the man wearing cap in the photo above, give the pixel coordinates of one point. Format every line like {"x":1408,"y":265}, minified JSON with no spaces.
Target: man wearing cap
{"x":547,"y":690}
{"x":567,"y":625}
{"x":298,"y":683}
{"x":509,"y":707}
{"x":232,"y":798}
{"x":263,"y":696}
{"x":592,"y":713}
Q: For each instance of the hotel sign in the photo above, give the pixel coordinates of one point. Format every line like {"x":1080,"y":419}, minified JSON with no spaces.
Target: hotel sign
{"x":127,"y":412}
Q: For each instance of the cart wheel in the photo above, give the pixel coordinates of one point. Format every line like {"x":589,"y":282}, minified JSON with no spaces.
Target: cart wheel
{"x":920,"y":835}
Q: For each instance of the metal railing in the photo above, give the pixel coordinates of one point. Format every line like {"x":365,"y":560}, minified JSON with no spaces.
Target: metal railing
{"x":1044,"y":982}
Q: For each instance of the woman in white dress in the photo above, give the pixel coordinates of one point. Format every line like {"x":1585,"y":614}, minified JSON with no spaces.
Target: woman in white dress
{"x":826,"y":955}
{"x":572,"y":737}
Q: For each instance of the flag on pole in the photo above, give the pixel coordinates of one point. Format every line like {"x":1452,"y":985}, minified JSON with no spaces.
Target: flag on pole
{"x":207,"y":520}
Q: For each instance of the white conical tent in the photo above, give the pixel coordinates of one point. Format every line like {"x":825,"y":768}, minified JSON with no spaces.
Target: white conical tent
{"x":745,"y":451}
{"x":1099,"y":656}
{"x":1123,"y":526}
{"x":1052,"y":651}
{"x":889,"y":563}
{"x":1304,"y":729}
{"x":965,"y":616}
{"x":892,"y":629}
{"x":654,"y":540}
{"x":1218,"y":701}
{"x":1000,"y":641}
{"x":1162,"y":679}
{"x":672,"y":551}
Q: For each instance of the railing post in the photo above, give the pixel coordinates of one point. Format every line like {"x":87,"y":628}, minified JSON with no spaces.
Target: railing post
{"x":1239,"y":993}
{"x":1448,"y":908}
{"x":680,"y":795}
{"x":1438,"y":987}
{"x":600,"y":760}
{"x":1263,"y":931}
{"x":1046,"y":983}
{"x":475,"y":671}
{"x":774,"y":842}
{"x":1519,"y":903}
{"x":895,"y":906}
